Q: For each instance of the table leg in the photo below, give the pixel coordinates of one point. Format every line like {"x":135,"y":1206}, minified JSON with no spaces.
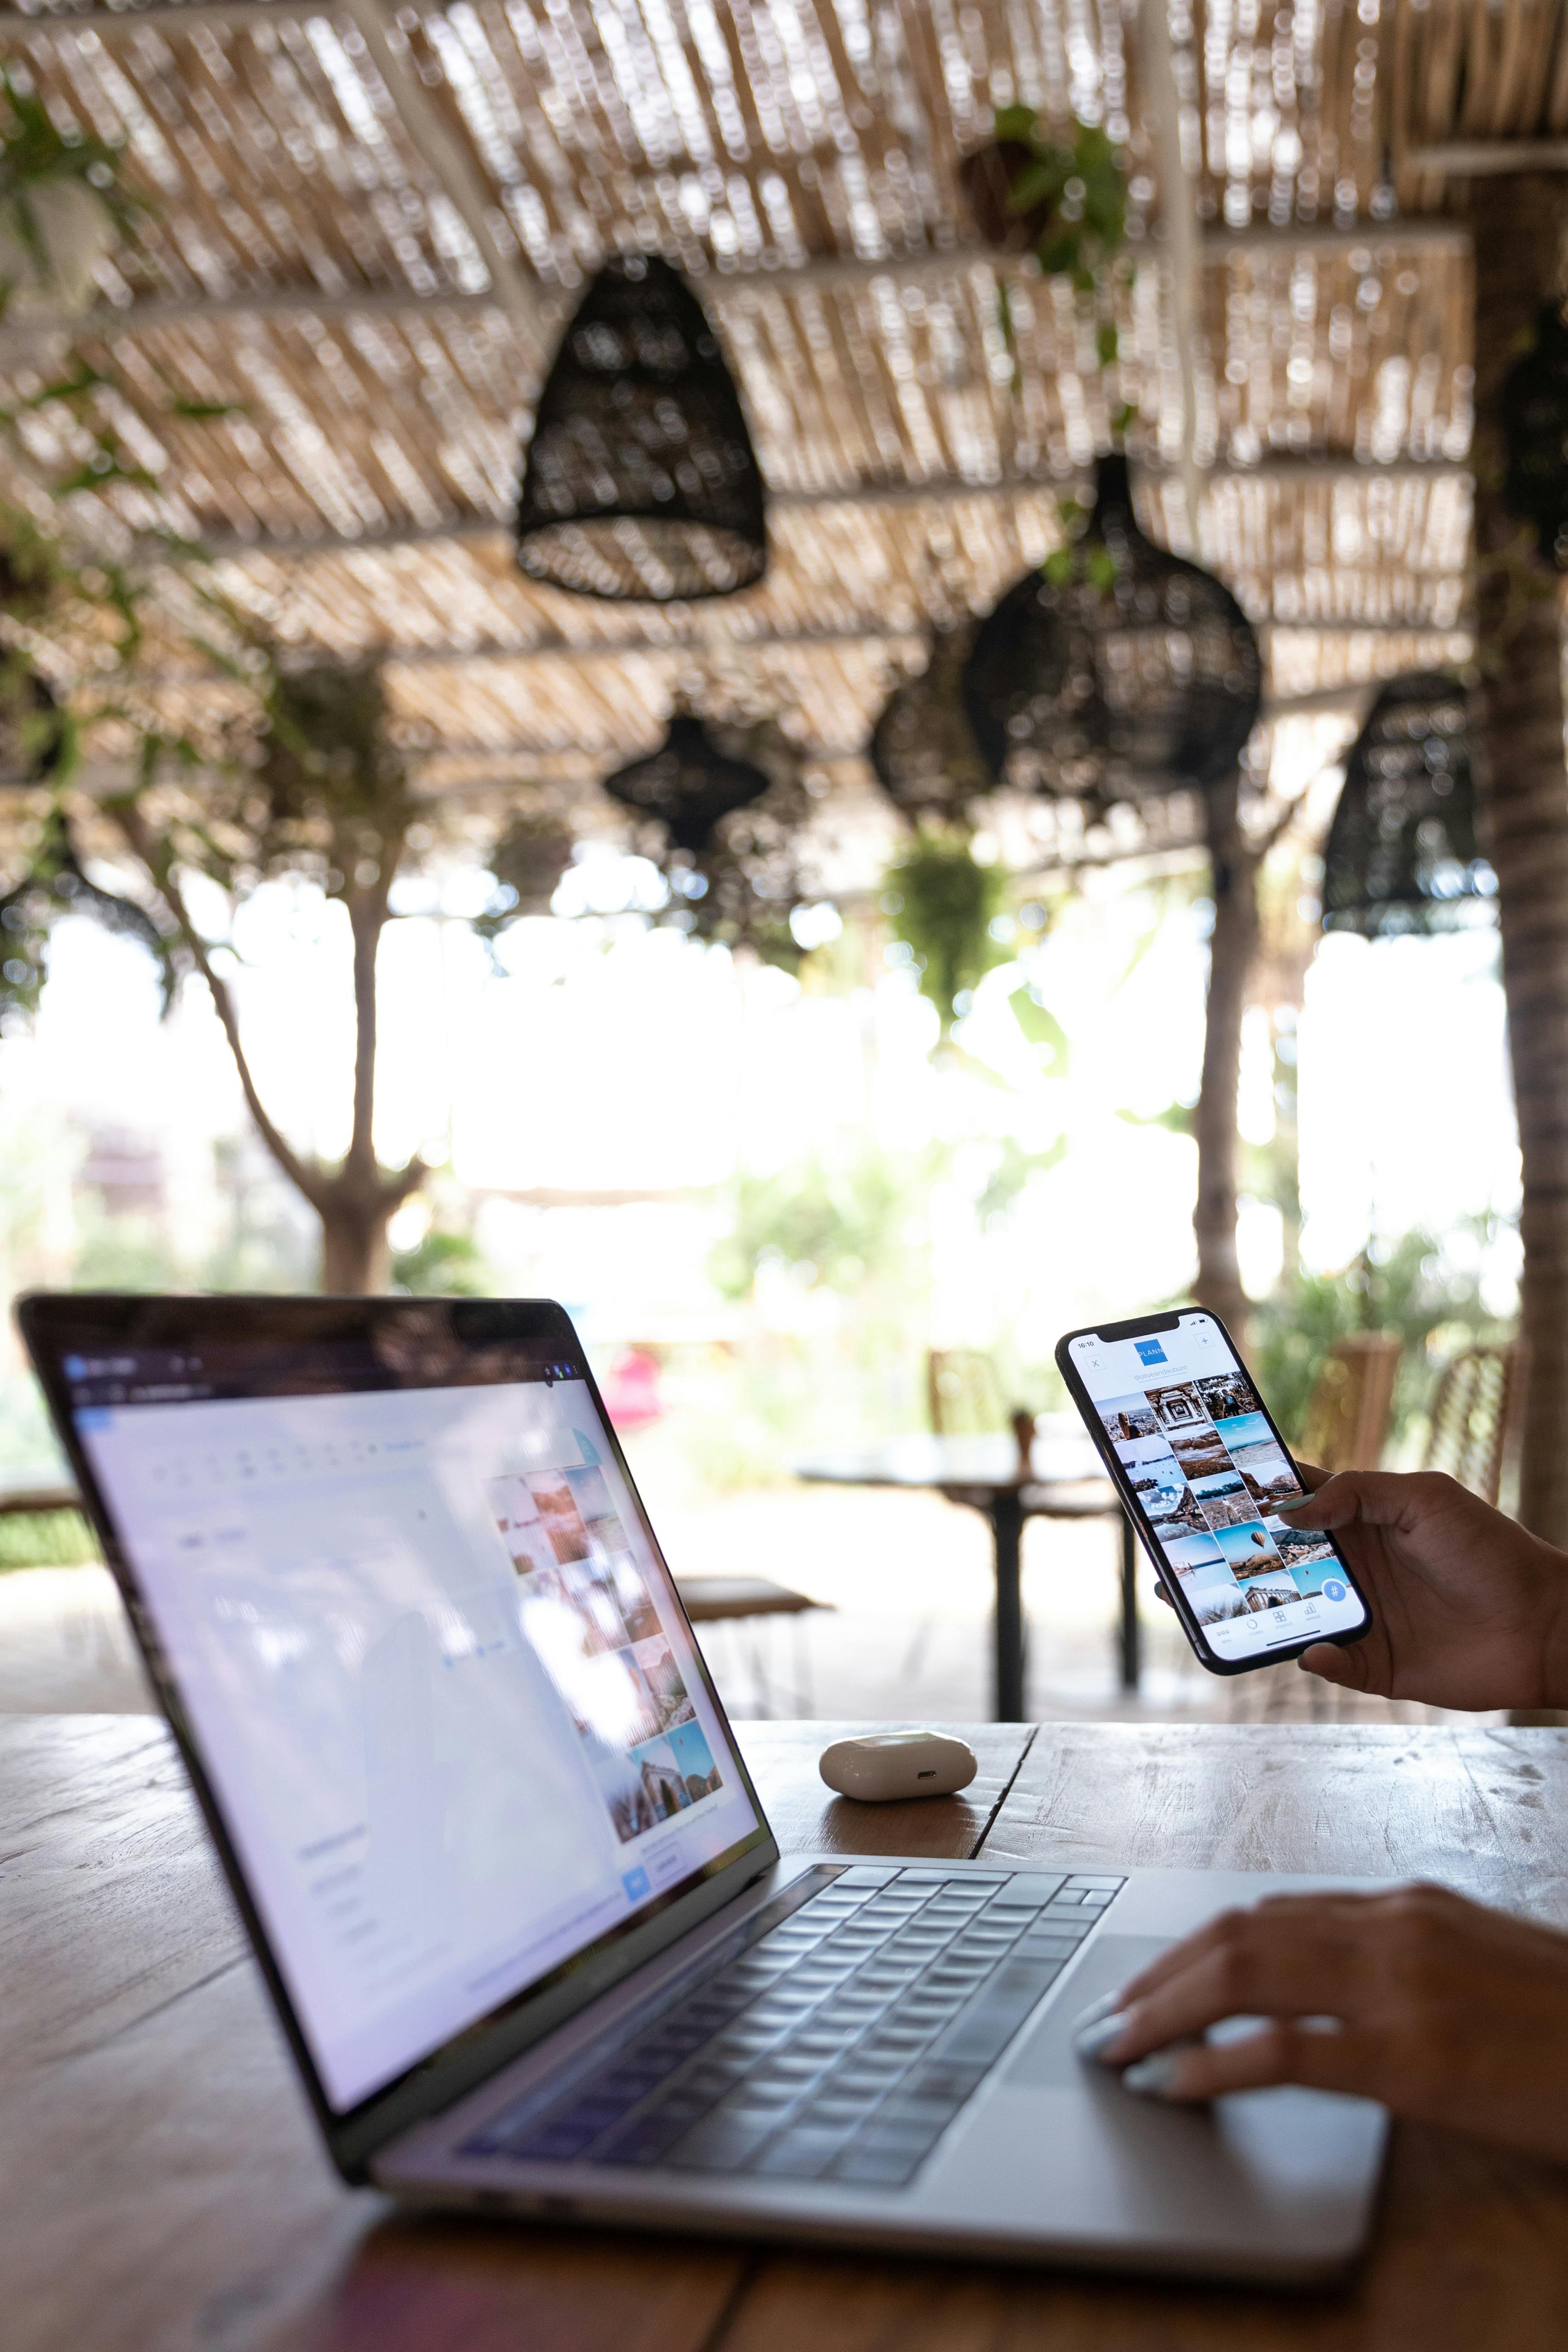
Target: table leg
{"x":1006,"y":1529}
{"x":1130,"y":1643}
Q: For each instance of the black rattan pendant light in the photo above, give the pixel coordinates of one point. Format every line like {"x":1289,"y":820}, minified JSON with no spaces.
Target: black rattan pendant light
{"x":1533,"y":407}
{"x":641,"y":479}
{"x":688,"y":784}
{"x":1401,"y":856}
{"x":923,"y":747}
{"x":1115,"y":669}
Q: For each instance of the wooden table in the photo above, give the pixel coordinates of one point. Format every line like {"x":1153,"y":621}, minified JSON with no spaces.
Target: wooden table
{"x":161,"y":2188}
{"x":1064,"y":1481}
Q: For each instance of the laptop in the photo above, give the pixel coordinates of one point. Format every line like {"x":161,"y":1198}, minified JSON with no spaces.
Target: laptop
{"x":530,"y":1936}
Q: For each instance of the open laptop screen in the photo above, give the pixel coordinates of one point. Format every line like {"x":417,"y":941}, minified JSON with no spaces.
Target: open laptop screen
{"x":447,"y":1699}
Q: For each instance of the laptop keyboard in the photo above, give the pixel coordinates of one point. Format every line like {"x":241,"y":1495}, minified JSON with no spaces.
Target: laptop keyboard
{"x":837,"y":2039}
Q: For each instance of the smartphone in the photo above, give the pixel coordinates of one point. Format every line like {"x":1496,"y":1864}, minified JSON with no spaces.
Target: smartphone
{"x":1202,"y":1470}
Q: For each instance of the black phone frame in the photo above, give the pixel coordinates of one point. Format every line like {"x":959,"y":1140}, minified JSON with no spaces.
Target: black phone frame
{"x":1149,"y":1327}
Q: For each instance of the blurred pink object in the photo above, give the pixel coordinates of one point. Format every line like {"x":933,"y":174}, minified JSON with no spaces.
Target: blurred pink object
{"x":631,"y":1390}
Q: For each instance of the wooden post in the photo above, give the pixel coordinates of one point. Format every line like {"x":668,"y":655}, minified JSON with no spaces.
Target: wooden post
{"x":1519,"y":232}
{"x":1233,"y":948}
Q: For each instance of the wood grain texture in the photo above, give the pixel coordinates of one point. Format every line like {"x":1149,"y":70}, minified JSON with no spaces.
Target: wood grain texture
{"x":1481,"y":1809}
{"x":162,"y":2188}
{"x":805,"y":1814}
{"x":111,"y":1899}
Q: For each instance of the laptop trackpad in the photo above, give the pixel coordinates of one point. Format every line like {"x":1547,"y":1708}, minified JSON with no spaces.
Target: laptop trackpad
{"x":1047,"y":2060}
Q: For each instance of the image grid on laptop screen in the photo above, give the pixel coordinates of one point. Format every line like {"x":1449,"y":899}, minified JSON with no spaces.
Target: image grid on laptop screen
{"x":442,"y":1690}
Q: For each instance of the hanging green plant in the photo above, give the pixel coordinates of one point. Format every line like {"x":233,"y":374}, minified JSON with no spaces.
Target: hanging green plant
{"x":945,"y":907}
{"x":63,"y":201}
{"x":55,"y":885}
{"x":1063,"y":201}
{"x":531,"y":853}
{"x":34,"y":575}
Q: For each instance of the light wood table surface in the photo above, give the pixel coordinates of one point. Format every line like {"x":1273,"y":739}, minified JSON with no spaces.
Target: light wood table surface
{"x":161,"y":2188}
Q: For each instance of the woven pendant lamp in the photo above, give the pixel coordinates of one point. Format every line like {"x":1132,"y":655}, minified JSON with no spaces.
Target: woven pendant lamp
{"x":688,"y":784}
{"x":923,"y":748}
{"x":1533,"y":407}
{"x":1114,"y":670}
{"x":641,"y":480}
{"x":1401,"y":856}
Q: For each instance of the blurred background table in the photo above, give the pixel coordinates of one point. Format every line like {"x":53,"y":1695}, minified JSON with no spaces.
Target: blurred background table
{"x":1064,"y":1481}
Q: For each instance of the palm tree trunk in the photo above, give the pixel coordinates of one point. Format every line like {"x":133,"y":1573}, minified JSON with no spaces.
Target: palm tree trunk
{"x":1233,"y":948}
{"x":1519,"y":233}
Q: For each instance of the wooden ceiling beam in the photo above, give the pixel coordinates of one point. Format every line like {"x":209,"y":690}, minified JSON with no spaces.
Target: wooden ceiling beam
{"x":859,"y":633}
{"x":945,"y":490}
{"x":1485,"y":159}
{"x":448,"y":158}
{"x":542,"y":306}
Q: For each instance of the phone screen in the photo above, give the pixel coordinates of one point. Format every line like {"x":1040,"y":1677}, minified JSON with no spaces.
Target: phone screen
{"x":1210,"y":1470}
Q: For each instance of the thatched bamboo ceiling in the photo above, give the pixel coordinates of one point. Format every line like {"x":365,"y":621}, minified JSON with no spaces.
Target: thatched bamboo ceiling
{"x":368,"y":224}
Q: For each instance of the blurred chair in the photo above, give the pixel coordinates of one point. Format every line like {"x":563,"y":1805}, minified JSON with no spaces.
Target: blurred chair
{"x":44,"y":1527}
{"x":1345,"y":1424}
{"x":746,"y":1601}
{"x":964,"y":1393}
{"x":1476,"y":1416}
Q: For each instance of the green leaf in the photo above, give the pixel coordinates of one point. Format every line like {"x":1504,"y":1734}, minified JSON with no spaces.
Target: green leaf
{"x":1176,"y":1118}
{"x":1102,"y":569}
{"x":1107,"y":344}
{"x":1061,"y":256}
{"x":201,"y":410}
{"x":1014,"y":122}
{"x":1058,"y":567}
{"x":92,"y":476}
{"x":1038,"y":182}
{"x":1042,"y":1029}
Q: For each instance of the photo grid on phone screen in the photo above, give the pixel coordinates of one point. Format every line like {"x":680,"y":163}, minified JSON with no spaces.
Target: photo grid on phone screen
{"x":1211,"y":1476}
{"x":595,"y":1627}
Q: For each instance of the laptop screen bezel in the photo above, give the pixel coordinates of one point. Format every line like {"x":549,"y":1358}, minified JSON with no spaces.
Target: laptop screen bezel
{"x":56,"y":1325}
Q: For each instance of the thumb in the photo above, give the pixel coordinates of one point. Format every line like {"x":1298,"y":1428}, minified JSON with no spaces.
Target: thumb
{"x":1380,"y":1497}
{"x":1333,"y":1664}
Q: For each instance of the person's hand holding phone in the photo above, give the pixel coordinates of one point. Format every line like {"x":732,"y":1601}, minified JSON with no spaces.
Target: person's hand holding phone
{"x":1467,"y":1609}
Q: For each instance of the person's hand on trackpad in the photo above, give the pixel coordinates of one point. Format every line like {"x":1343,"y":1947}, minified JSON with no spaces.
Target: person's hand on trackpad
{"x":1447,"y":2012}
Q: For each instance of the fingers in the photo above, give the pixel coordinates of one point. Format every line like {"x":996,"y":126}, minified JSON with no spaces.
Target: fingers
{"x":1313,"y":1477}
{"x":1247,"y":1966}
{"x":1282,"y":2051}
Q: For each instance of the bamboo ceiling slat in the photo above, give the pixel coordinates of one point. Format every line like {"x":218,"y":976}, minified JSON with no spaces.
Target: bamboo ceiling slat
{"x":745,"y":140}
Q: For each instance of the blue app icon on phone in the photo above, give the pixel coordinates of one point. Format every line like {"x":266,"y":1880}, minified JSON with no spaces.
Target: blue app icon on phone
{"x":1333,"y":1589}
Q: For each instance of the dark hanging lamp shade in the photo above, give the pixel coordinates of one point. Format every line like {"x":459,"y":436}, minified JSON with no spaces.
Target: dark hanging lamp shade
{"x":923,"y":747}
{"x":1401,"y":856}
{"x":1115,"y":670}
{"x":1534,"y":406}
{"x":641,"y":479}
{"x":688,"y":784}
